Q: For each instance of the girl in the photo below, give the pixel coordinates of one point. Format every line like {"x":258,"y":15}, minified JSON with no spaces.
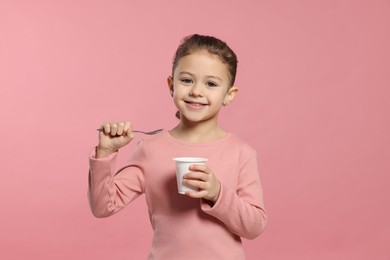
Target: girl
{"x":228,"y":204}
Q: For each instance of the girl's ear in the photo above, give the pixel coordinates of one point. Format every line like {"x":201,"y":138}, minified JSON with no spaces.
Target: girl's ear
{"x":170,"y":84}
{"x":230,"y":95}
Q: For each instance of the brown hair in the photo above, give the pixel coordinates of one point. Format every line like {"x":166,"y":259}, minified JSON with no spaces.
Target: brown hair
{"x":213,"y":45}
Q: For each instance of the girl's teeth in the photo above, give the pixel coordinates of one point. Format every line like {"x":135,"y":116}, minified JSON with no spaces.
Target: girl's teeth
{"x":196,"y":104}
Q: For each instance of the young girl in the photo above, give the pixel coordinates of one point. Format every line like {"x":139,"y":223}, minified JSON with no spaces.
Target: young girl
{"x":228,"y":204}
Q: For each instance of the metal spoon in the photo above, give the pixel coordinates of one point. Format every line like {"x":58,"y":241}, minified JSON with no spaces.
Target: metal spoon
{"x":142,"y":132}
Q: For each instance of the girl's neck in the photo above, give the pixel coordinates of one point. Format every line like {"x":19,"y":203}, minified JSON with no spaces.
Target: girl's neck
{"x":197,"y":133}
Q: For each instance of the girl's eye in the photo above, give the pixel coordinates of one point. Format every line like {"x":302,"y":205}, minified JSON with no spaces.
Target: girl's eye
{"x":186,"y":81}
{"x":211,"y":84}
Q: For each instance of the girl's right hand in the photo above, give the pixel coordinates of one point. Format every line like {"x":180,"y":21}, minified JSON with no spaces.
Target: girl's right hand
{"x":112,"y":137}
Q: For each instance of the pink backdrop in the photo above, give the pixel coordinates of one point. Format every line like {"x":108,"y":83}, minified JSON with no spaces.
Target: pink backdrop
{"x":314,"y":80}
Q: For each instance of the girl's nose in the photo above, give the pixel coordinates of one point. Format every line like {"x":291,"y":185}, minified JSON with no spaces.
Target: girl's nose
{"x":196,"y":91}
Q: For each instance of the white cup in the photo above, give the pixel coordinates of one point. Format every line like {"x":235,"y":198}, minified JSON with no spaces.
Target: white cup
{"x":182,"y":167}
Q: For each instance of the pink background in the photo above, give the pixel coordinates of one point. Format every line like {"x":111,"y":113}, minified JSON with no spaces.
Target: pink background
{"x":314,"y":80}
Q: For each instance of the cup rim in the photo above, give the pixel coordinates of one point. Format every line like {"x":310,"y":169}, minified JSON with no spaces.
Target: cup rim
{"x":190,"y":159}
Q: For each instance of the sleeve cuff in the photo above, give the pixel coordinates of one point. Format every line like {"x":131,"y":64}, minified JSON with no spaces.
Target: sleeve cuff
{"x":218,"y":207}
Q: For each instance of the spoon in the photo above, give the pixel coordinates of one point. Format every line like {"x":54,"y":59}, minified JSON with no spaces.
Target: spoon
{"x":142,"y":132}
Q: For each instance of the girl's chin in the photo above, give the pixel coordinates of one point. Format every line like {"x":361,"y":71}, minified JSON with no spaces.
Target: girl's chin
{"x":196,"y":118}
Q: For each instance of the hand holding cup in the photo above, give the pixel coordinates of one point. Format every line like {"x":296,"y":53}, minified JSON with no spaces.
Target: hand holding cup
{"x":196,"y":179}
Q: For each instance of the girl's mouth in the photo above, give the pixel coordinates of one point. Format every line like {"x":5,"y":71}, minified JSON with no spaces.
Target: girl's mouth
{"x":195,"y":104}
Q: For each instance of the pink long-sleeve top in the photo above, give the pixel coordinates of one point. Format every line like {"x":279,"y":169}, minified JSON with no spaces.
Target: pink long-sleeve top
{"x":184,"y":227}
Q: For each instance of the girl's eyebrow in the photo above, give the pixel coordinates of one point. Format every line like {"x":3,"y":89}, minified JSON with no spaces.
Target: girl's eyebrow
{"x":215,"y":77}
{"x":209,"y":76}
{"x":186,"y":72}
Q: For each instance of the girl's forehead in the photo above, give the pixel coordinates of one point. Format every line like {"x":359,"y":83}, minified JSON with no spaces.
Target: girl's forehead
{"x":203,"y":53}
{"x":202,"y":59}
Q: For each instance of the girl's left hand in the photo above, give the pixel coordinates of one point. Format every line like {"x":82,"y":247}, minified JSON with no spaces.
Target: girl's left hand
{"x":200,"y":176}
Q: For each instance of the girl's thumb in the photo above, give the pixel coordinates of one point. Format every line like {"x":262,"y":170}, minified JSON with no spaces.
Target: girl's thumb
{"x":130,"y":135}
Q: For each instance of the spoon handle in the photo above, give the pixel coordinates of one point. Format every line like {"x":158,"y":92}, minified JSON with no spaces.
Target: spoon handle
{"x":139,"y":131}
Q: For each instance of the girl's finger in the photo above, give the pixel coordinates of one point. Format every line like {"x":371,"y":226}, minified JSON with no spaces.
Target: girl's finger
{"x":199,"y":167}
{"x":121,"y":127}
{"x":197,"y":175}
{"x":114,"y":129}
{"x":196,"y":194}
{"x":106,"y":128}
{"x":196,"y":183}
{"x":127,"y":127}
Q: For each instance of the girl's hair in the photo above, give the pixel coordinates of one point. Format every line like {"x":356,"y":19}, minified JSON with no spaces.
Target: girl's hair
{"x":196,"y":42}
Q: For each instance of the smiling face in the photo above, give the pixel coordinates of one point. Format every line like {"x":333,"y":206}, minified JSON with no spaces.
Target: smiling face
{"x":201,"y":86}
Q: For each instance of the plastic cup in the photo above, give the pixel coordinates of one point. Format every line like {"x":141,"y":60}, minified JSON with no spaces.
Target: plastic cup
{"x":182,"y":167}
